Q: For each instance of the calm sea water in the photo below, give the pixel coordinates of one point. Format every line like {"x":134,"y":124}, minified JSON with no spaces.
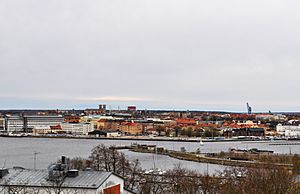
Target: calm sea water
{"x":20,"y":151}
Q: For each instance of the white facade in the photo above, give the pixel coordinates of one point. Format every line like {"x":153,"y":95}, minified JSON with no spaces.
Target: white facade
{"x":32,"y":121}
{"x":288,"y":130}
{"x":21,"y":123}
{"x":14,"y":124}
{"x":292,"y":132}
{"x":77,"y":128}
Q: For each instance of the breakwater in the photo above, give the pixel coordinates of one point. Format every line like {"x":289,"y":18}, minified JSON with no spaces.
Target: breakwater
{"x":203,"y":158}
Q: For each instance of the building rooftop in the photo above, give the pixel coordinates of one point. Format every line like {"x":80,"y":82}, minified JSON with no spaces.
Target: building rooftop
{"x":43,"y":116}
{"x":39,"y":178}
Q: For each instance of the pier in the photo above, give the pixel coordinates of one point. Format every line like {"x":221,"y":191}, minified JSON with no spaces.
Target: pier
{"x":208,"y":157}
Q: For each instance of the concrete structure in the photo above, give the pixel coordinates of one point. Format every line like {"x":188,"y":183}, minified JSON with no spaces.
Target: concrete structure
{"x":288,"y":130}
{"x":28,"y":123}
{"x":31,"y":121}
{"x":77,"y":128}
{"x":13,"y":124}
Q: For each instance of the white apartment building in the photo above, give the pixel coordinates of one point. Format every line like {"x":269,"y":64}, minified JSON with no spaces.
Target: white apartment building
{"x":77,"y":128}
{"x":288,"y":130}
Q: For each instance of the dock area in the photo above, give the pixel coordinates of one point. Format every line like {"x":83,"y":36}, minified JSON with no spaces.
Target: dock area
{"x":232,"y":158}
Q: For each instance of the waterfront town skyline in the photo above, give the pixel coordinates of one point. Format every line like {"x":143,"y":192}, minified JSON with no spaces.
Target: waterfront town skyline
{"x":134,"y":121}
{"x":136,"y":96}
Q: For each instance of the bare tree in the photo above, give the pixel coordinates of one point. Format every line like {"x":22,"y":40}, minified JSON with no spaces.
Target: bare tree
{"x":134,"y":175}
{"x":153,"y":184}
{"x":183,"y":181}
{"x":124,"y":166}
{"x":78,"y":163}
{"x":258,"y":180}
{"x":109,"y":159}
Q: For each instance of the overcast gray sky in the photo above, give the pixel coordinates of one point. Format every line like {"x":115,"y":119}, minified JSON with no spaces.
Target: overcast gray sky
{"x":175,"y":54}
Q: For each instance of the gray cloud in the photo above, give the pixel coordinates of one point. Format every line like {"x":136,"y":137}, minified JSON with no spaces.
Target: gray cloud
{"x":172,"y":53}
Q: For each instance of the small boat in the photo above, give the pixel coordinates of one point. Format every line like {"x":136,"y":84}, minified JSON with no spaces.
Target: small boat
{"x":201,"y":142}
{"x":156,"y":171}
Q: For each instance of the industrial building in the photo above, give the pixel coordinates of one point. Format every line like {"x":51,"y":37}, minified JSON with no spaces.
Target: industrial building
{"x":13,"y":124}
{"x":28,"y":123}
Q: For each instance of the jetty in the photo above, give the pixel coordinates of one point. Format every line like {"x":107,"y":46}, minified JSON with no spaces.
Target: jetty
{"x":232,"y":158}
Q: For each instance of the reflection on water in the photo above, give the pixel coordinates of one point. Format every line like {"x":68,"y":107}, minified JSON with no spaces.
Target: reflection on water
{"x":19,"y":151}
